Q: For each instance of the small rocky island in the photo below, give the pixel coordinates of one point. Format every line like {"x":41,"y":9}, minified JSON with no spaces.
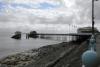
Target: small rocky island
{"x":17,"y":35}
{"x":33,"y":34}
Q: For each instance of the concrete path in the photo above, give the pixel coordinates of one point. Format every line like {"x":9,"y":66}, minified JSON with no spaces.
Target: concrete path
{"x":98,"y":45}
{"x":98,"y":49}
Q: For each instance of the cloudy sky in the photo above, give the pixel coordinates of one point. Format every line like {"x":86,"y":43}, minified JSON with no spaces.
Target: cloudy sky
{"x":47,"y":15}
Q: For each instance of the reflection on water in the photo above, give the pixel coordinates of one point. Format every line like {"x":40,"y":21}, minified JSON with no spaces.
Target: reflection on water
{"x":63,"y":38}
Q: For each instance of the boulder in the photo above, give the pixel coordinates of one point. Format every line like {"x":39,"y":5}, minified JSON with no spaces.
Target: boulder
{"x":33,"y":34}
{"x":17,"y":35}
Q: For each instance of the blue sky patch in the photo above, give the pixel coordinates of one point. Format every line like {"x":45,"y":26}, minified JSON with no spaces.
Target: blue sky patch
{"x":2,"y":5}
{"x":43,"y":5}
{"x":46,"y":5}
{"x":15,"y":5}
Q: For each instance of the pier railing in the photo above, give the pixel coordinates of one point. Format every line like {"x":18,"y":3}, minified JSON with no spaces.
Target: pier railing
{"x":63,"y":37}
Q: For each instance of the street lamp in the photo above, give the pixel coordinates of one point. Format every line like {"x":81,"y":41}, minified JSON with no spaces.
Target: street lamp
{"x":93,"y":16}
{"x":89,"y":57}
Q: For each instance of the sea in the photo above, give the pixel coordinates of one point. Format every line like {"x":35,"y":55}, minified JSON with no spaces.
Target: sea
{"x":9,"y":46}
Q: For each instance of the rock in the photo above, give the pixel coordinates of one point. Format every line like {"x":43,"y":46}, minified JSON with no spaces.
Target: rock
{"x":33,"y":34}
{"x":17,"y":35}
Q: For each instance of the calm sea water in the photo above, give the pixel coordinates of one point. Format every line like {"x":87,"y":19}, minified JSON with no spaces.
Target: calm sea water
{"x":10,"y":46}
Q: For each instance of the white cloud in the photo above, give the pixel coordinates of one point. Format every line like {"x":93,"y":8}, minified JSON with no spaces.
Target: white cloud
{"x":70,"y":12}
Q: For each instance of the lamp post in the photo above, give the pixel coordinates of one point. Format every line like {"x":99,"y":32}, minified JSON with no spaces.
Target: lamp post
{"x":89,"y":57}
{"x":93,"y":22}
{"x":93,"y":17}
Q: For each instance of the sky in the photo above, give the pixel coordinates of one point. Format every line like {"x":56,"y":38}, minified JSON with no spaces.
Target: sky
{"x":47,"y":15}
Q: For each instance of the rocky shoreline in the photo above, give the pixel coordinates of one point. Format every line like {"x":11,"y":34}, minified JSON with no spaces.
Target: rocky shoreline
{"x":66,"y":54}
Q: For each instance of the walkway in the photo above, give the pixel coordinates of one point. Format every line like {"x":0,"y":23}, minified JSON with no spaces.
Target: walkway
{"x":98,"y":45}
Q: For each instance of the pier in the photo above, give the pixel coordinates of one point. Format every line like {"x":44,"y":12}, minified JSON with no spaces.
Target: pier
{"x":61,"y":37}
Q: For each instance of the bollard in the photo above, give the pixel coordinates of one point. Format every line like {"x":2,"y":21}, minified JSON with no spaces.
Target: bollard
{"x":92,"y":43}
{"x":89,"y":57}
